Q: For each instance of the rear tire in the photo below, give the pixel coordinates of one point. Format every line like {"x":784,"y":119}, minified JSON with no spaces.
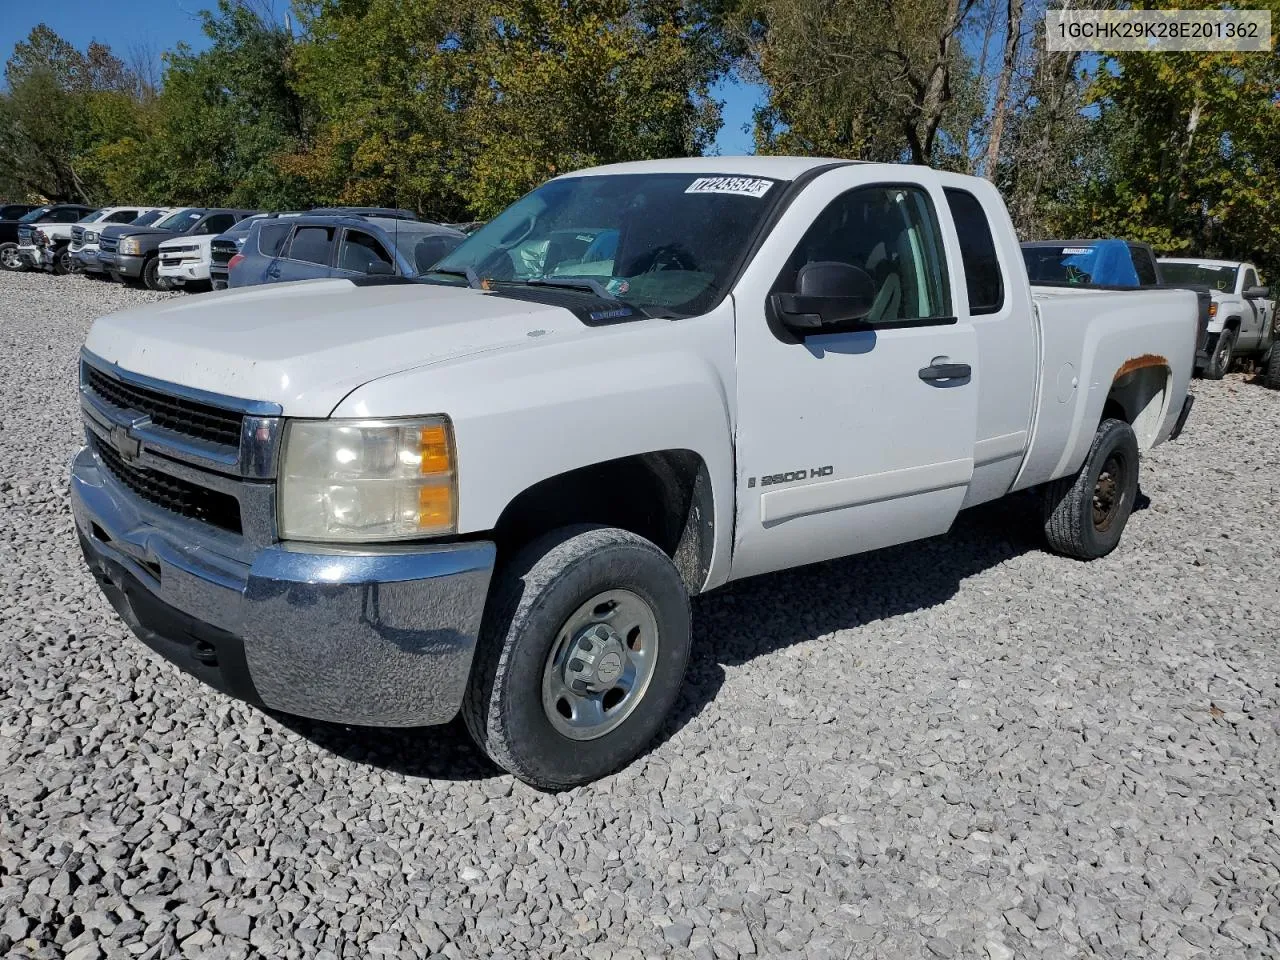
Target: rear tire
{"x":1085,"y":514}
{"x":1220,"y":359}
{"x":596,"y":609}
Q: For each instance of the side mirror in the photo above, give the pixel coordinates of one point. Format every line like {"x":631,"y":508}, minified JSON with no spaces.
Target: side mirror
{"x":1257,"y":293}
{"x":828,"y":296}
{"x":380,"y":269}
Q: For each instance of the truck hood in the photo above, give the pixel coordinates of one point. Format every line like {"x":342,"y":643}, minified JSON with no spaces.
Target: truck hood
{"x":204,"y":241}
{"x":306,"y":345}
{"x":120,"y":230}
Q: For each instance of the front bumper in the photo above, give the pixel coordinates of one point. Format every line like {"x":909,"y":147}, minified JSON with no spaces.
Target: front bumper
{"x":125,"y":265}
{"x":86,"y":259}
{"x":184,"y":272}
{"x":32,"y":256}
{"x":379,"y":637}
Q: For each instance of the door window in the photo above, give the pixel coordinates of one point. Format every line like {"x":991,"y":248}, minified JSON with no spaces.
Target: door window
{"x":218,"y":223}
{"x":982,"y":275}
{"x":891,"y":233}
{"x":65,"y":216}
{"x":122,"y":216}
{"x":360,"y":251}
{"x":311,"y":245}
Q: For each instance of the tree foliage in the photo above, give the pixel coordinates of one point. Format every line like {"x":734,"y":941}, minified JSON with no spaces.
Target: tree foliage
{"x":457,"y":107}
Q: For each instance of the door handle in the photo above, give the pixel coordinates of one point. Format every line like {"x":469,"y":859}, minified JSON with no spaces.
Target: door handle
{"x":273,"y":272}
{"x":945,"y":371}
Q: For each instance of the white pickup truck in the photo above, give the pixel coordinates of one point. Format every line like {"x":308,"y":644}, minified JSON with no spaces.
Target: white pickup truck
{"x":1242,"y":320}
{"x":379,"y":501}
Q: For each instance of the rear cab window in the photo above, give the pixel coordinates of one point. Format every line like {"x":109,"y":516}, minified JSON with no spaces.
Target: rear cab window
{"x":982,"y":272}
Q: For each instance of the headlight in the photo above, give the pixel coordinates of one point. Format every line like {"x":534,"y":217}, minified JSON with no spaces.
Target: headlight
{"x":130,"y":246}
{"x":366,"y":480}
{"x":90,"y":236}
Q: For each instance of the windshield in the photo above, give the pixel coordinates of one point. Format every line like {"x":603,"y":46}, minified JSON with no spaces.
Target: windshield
{"x":664,"y":240}
{"x":93,"y":217}
{"x":35,"y":214}
{"x":147,"y":219}
{"x":179,"y":221}
{"x":1214,"y":276}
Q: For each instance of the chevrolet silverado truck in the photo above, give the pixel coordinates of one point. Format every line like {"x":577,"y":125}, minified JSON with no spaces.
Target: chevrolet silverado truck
{"x":132,"y":253}
{"x":379,"y":500}
{"x":1242,"y":319}
{"x":84,"y":238}
{"x":17,"y":233}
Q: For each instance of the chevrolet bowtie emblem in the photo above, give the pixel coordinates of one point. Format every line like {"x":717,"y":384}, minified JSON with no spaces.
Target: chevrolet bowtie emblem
{"x":127,"y":445}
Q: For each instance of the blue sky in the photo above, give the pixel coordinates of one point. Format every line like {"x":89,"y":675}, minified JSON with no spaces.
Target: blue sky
{"x":159,"y":25}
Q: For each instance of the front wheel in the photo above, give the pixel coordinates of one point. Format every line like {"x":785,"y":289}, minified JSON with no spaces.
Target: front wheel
{"x":63,"y":262}
{"x":1223,"y":351}
{"x":1271,"y":372}
{"x":1085,"y":514}
{"x":151,"y":275}
{"x":10,"y":259}
{"x":581,"y":656}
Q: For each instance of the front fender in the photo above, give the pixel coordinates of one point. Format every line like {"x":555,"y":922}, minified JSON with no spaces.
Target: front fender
{"x":526,"y":414}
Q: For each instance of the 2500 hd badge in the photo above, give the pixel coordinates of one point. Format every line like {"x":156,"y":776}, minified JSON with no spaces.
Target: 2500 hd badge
{"x":792,"y":476}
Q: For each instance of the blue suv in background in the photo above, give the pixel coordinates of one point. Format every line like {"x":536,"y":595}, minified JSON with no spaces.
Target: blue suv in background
{"x":311,"y":246}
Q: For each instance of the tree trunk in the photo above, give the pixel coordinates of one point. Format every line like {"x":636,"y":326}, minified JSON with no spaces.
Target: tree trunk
{"x":1013,"y":27}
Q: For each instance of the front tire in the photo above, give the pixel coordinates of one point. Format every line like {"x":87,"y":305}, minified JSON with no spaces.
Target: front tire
{"x":1271,"y":372}
{"x":62,"y":262}
{"x":9,"y":258}
{"x":581,"y":656}
{"x":151,"y":275}
{"x":1085,"y":514}
{"x":1223,"y":351}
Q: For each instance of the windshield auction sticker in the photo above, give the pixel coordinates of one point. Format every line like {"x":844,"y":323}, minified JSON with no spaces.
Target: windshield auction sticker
{"x":1157,"y":31}
{"x":742,"y":186}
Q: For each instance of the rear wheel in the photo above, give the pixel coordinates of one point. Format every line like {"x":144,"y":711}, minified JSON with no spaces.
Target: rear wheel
{"x":581,"y":656}
{"x":1085,"y":515}
{"x":1220,"y":359}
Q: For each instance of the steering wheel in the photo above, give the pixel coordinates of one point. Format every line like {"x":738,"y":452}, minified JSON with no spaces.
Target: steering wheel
{"x":672,"y":256}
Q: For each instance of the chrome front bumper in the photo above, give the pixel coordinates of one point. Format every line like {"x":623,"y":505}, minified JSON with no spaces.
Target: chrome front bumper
{"x":378,"y":636}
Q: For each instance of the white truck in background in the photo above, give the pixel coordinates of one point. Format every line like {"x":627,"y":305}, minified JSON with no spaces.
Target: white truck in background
{"x":1242,"y":318}
{"x":494,"y":488}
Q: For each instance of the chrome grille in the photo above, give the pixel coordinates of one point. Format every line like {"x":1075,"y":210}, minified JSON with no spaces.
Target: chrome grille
{"x":172,"y":493}
{"x":24,"y":236}
{"x":77,"y":235}
{"x":108,"y":244}
{"x":187,"y":417}
{"x":222,"y":251}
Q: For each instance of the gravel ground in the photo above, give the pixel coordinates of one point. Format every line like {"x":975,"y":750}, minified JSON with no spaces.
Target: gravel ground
{"x":959,"y":748}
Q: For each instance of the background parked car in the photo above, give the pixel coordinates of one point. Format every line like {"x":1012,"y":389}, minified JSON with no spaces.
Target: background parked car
{"x":133,"y":252}
{"x":84,"y":237}
{"x":1243,"y":318}
{"x":50,"y":246}
{"x":226,"y":245}
{"x":309,"y":247}
{"x":10,"y":259}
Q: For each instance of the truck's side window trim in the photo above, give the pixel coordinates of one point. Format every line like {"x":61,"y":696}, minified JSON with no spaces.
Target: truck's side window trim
{"x":914,"y":276}
{"x":983,"y":271}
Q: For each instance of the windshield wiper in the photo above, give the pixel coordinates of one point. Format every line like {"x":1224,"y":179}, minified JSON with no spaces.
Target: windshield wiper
{"x":572,"y":283}
{"x":467,"y":273}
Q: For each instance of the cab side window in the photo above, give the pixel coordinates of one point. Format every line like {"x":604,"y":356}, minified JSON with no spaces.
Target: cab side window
{"x":122,"y":216}
{"x":982,"y":276}
{"x":892,"y":234}
{"x":218,"y":223}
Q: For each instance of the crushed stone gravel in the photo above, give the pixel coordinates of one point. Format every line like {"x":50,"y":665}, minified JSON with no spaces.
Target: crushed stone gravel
{"x":965,"y":747}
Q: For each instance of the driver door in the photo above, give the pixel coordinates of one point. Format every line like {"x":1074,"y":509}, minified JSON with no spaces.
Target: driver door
{"x":847,"y":440}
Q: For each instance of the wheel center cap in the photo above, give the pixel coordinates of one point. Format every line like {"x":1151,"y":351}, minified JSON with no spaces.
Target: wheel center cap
{"x":596,"y":660}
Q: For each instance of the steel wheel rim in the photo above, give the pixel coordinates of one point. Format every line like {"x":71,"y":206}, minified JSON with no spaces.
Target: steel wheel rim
{"x":600,"y":665}
{"x":1108,"y":493}
{"x":1224,"y":351}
